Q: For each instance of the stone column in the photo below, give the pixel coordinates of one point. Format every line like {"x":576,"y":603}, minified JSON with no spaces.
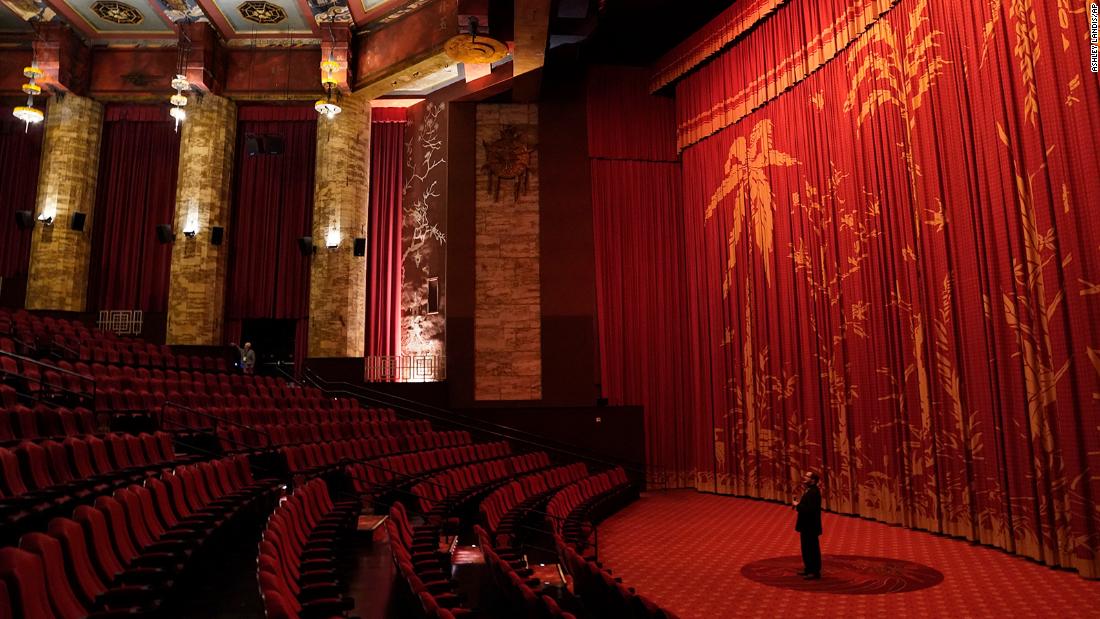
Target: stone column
{"x":58,"y":277}
{"x":196,"y":293}
{"x":507,"y":311}
{"x":338,"y":278}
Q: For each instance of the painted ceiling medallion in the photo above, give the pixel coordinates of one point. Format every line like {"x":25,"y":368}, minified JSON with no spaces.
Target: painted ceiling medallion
{"x":262,"y":12}
{"x":117,"y":12}
{"x":475,"y":49}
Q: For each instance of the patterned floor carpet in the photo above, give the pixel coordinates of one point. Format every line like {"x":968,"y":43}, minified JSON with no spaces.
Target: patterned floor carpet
{"x":705,"y":556}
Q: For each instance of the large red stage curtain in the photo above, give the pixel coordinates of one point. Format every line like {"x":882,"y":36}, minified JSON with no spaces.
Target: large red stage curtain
{"x":135,"y":191}
{"x":895,"y":271}
{"x":272,"y":209}
{"x":20,"y":152}
{"x":640,"y":264}
{"x":387,"y":150}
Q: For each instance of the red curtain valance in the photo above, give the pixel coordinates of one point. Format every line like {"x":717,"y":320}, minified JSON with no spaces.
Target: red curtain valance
{"x":388,"y":115}
{"x":276,"y":113}
{"x":136,"y":113}
{"x":801,"y":38}
{"x":719,"y":33}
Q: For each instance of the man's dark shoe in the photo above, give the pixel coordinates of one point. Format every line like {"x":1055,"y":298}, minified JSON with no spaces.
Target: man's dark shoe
{"x":812,"y":577}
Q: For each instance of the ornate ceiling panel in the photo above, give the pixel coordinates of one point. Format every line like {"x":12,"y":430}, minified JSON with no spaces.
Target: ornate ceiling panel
{"x":268,"y":19}
{"x":128,"y":19}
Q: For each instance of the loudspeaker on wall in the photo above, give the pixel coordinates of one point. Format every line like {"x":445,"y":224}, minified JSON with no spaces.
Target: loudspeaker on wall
{"x":24,"y":220}
{"x":78,"y":220}
{"x":305,"y":245}
{"x":165,"y":234}
{"x":360,"y":247}
{"x":217,"y":233}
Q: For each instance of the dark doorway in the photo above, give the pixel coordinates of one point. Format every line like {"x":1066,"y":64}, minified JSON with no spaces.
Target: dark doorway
{"x":273,"y":341}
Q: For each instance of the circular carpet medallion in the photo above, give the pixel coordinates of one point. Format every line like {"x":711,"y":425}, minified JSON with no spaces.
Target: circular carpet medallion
{"x":846,"y":574}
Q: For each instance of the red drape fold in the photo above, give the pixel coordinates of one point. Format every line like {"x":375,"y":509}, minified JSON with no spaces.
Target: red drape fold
{"x":20,"y":154}
{"x":272,"y":209}
{"x":892,"y":264}
{"x":383,"y":313}
{"x":135,"y":191}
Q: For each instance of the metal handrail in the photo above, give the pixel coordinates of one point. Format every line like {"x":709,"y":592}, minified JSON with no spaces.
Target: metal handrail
{"x":450,"y":417}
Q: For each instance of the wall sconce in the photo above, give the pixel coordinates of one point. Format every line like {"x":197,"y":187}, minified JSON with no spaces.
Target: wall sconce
{"x":332,"y":238}
{"x":48,"y":214}
{"x":191,"y":227}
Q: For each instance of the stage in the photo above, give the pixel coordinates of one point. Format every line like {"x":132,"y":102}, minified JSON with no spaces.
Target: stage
{"x":704,"y":556}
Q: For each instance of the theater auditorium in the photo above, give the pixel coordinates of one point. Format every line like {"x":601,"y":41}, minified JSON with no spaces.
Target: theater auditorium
{"x":549,"y":309}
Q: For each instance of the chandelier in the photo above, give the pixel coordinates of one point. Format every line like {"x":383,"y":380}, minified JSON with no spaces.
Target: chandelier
{"x":28,"y":113}
{"x":180,"y":83}
{"x":328,"y":106}
{"x":179,"y":100}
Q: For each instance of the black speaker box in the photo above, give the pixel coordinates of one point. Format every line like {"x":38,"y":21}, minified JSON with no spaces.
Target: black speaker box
{"x":273,"y":145}
{"x":24,"y":220}
{"x":78,"y":220}
{"x":305,"y":245}
{"x":360,"y":247}
{"x":217,"y":233}
{"x":165,"y":234}
{"x":252,"y":145}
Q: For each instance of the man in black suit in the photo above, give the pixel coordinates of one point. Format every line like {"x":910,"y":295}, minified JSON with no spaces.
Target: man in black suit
{"x":809,"y":526}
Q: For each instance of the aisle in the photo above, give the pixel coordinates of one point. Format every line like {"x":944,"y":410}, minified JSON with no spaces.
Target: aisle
{"x":704,"y":556}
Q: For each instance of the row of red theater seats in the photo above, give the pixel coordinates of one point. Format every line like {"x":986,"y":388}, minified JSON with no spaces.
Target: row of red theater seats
{"x":567,"y":499}
{"x":207,"y":417}
{"x":497,"y":509}
{"x":299,"y":552}
{"x":420,"y":566}
{"x":101,"y":346}
{"x":365,"y":476}
{"x":38,"y":478}
{"x":317,"y":455}
{"x":19,"y":422}
{"x":602,"y":593}
{"x":122,"y":556}
{"x":34,"y":378}
{"x":112,"y":399}
{"x":439,"y":487}
{"x":262,"y":436}
{"x":524,"y":595}
{"x":158,"y":381}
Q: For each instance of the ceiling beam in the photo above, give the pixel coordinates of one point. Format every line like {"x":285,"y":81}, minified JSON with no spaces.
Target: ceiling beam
{"x":532,"y":25}
{"x":63,"y":58}
{"x":405,"y":50}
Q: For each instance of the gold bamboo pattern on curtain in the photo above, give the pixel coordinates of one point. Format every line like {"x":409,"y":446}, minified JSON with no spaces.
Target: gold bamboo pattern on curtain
{"x":942,"y":370}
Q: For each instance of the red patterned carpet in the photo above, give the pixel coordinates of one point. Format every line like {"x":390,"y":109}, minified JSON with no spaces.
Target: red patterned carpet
{"x":705,"y":556}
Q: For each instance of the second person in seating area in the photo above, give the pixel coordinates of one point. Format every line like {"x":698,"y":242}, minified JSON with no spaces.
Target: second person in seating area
{"x":808,"y":526}
{"x":248,"y":357}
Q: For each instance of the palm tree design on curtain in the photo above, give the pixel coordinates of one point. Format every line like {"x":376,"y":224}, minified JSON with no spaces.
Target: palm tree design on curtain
{"x":746,"y":173}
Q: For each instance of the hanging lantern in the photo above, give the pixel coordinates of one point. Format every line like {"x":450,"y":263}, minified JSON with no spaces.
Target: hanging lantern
{"x":28,"y":113}
{"x":179,"y":100}
{"x":328,"y":106}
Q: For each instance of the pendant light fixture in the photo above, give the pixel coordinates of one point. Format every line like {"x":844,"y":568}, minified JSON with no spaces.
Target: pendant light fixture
{"x":328,"y":106}
{"x":28,"y":113}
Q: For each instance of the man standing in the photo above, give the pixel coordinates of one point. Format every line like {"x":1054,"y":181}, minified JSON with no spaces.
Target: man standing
{"x":808,"y":526}
{"x":248,"y":357}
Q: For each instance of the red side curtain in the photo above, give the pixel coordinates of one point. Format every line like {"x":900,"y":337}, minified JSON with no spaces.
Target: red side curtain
{"x":640,"y":263}
{"x":20,"y":154}
{"x":272,"y":209}
{"x":894,"y":269}
{"x":135,"y":191}
{"x":624,"y":120}
{"x":383,"y":315}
